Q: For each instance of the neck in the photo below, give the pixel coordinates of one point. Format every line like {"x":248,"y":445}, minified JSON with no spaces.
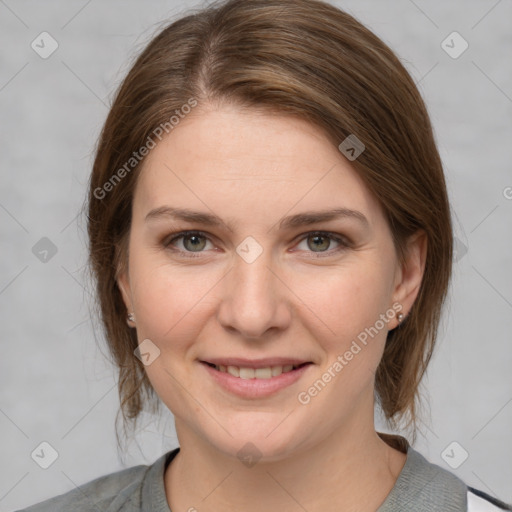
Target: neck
{"x":352,"y":470}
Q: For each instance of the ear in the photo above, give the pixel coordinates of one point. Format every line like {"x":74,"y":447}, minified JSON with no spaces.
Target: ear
{"x":123,"y":284}
{"x":409,"y":275}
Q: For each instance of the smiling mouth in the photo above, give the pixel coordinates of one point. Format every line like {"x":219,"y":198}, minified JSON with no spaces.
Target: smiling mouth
{"x":256,"y":373}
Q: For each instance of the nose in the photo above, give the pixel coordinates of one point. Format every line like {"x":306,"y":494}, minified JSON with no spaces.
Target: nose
{"x":255,"y":298}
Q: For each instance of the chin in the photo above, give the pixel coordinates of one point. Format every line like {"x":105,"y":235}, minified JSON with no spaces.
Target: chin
{"x":252,"y":442}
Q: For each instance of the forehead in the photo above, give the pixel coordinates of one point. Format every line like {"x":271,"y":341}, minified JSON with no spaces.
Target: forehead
{"x":259,"y":162}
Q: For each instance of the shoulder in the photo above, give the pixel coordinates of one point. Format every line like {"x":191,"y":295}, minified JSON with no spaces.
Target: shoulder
{"x":442,"y":485}
{"x":97,"y":494}
{"x":443,"y":488}
{"x":479,"y":501}
{"x":426,"y":487}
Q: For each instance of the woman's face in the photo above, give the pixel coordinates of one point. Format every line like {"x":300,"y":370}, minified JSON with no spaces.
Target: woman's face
{"x":254,"y":282}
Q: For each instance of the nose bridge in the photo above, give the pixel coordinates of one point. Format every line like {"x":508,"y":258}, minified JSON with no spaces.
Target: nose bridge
{"x":253,"y":294}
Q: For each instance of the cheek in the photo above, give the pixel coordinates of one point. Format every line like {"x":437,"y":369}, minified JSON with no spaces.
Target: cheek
{"x":349,"y":303}
{"x":349,"y":309}
{"x":171,"y":312}
{"x":170,"y":300}
{"x":345,"y":301}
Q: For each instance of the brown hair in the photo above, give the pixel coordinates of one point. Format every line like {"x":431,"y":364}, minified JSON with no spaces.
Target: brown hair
{"x":303,"y":58}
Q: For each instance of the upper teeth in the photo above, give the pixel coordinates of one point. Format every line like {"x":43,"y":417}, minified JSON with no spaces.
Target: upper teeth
{"x":255,"y":373}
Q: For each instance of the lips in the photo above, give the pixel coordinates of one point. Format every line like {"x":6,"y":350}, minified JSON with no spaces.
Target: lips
{"x":254,"y":363}
{"x":260,"y":379}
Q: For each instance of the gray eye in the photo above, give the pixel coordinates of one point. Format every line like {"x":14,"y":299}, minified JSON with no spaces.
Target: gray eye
{"x":197,"y":242}
{"x":320,"y":242}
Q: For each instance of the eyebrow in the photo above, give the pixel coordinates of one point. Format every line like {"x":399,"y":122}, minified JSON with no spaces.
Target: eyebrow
{"x":292,"y":221}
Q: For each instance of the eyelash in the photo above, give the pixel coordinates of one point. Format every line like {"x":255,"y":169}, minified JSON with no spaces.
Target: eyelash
{"x":344,"y":243}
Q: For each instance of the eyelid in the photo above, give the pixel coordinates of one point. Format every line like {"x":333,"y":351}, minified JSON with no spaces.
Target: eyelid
{"x":167,"y":241}
{"x":338,"y":238}
{"x":343,"y":241}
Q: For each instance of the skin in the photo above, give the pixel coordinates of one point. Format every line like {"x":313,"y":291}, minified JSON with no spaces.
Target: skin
{"x":253,"y":169}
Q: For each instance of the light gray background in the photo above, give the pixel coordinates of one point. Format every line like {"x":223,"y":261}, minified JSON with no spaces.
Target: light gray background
{"x":56,"y":386}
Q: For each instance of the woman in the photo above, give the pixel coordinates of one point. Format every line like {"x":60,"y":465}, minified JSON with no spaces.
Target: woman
{"x":271,"y":240}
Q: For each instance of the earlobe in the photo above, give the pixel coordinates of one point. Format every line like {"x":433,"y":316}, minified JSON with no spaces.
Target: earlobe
{"x":412,"y":271}
{"x":124,"y":287}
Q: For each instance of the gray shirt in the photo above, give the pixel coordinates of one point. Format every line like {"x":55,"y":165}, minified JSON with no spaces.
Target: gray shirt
{"x":421,"y":486}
